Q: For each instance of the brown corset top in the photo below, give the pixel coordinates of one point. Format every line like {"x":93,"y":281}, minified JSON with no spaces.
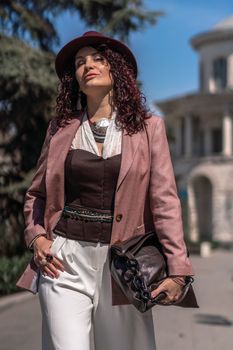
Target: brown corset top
{"x":90,"y":181}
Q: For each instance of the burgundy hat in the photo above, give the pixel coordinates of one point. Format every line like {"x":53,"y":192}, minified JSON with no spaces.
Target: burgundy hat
{"x":66,"y":55}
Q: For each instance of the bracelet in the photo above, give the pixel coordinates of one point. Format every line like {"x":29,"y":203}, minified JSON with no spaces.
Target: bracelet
{"x":34,"y":239}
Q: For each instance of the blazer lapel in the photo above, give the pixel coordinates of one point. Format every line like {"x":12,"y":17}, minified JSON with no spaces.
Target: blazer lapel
{"x":129,"y":148}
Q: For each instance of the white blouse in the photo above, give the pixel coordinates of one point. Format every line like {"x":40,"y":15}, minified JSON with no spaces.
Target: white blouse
{"x":84,"y":138}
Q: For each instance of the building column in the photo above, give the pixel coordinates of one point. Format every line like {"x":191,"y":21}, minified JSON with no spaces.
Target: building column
{"x":178,"y":137}
{"x":207,"y":142}
{"x":227,"y":133}
{"x":188,"y":136}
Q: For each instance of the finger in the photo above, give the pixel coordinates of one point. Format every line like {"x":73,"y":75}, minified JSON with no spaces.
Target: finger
{"x":49,"y":273}
{"x":171,"y":298}
{"x":174,"y":292}
{"x":53,"y":269}
{"x":158,"y":290}
{"x":58,"y":264}
{"x":177,"y":296}
{"x":160,"y":297}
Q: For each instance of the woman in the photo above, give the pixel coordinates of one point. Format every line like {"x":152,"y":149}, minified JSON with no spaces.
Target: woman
{"x":104,"y":175}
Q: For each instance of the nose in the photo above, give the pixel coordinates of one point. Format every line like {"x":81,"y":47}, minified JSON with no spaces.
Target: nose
{"x":89,"y":64}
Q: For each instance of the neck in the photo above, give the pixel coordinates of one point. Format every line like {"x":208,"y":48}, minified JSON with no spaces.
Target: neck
{"x":99,"y":107}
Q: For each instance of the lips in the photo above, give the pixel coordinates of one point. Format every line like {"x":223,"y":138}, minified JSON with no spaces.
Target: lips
{"x":90,"y":76}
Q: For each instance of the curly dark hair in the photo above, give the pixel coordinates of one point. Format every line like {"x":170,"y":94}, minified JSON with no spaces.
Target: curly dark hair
{"x":127,"y":97}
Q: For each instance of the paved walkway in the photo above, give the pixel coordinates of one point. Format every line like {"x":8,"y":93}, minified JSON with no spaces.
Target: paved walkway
{"x":207,"y":328}
{"x":211,"y":326}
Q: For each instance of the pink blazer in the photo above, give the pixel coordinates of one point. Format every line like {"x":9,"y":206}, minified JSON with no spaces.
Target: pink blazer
{"x":146,"y":195}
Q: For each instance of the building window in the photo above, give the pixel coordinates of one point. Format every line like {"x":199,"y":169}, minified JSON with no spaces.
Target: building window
{"x":201,"y":76}
{"x":220,"y":73}
{"x":217,"y":140}
{"x":202,"y":143}
{"x":196,"y":139}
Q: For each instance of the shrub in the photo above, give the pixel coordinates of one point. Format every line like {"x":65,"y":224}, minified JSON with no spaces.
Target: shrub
{"x":10,"y":271}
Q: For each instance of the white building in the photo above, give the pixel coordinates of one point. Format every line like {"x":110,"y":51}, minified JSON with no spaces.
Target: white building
{"x":202,"y":148}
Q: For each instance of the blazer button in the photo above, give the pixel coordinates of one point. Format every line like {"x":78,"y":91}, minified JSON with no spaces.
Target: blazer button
{"x":119,"y":217}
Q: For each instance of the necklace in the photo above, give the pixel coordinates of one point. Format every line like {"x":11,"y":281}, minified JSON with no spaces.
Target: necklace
{"x":99,"y":129}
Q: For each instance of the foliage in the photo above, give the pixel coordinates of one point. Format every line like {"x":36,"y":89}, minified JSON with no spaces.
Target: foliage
{"x":116,"y":17}
{"x":34,"y":20}
{"x":10,"y":270}
{"x":30,"y":20}
{"x":27,"y":94}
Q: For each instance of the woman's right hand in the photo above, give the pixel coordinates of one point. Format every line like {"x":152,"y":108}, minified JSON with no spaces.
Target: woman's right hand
{"x":49,"y":266}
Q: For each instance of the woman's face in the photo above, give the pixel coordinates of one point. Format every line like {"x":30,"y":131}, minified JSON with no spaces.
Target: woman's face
{"x":92,"y":71}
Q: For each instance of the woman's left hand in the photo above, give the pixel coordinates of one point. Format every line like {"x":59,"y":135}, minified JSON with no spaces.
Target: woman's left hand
{"x":172,"y":290}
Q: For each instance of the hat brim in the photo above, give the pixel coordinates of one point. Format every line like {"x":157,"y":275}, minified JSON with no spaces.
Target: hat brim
{"x":65,"y":56}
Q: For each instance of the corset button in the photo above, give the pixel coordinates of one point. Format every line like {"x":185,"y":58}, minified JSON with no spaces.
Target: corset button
{"x":119,"y":217}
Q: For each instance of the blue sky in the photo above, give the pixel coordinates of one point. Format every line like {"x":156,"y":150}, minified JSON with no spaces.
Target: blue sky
{"x":168,"y":66}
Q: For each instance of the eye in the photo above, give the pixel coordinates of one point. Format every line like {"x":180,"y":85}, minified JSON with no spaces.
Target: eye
{"x":99,"y":58}
{"x":79,"y":63}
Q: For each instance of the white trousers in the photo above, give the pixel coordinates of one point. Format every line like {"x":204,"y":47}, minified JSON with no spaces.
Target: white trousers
{"x":77,"y":313}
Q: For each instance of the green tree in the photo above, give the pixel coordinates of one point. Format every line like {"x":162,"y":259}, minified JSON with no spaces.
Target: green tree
{"x":28,"y":85}
{"x":27,"y":91}
{"x":34,"y":20}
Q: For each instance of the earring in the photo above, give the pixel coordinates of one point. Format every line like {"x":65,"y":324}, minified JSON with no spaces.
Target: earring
{"x":78,"y":105}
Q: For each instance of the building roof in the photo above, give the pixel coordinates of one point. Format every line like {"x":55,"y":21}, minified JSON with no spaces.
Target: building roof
{"x":227,"y":23}
{"x":223,"y":30}
{"x":196,"y":103}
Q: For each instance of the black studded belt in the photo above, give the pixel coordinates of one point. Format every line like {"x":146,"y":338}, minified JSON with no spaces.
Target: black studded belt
{"x":87,"y":214}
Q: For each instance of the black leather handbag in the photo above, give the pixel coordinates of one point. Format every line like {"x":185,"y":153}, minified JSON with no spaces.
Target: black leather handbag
{"x":138,"y":266}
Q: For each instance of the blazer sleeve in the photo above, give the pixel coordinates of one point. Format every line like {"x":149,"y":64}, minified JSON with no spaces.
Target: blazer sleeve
{"x":35,"y":197}
{"x":165,"y":204}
